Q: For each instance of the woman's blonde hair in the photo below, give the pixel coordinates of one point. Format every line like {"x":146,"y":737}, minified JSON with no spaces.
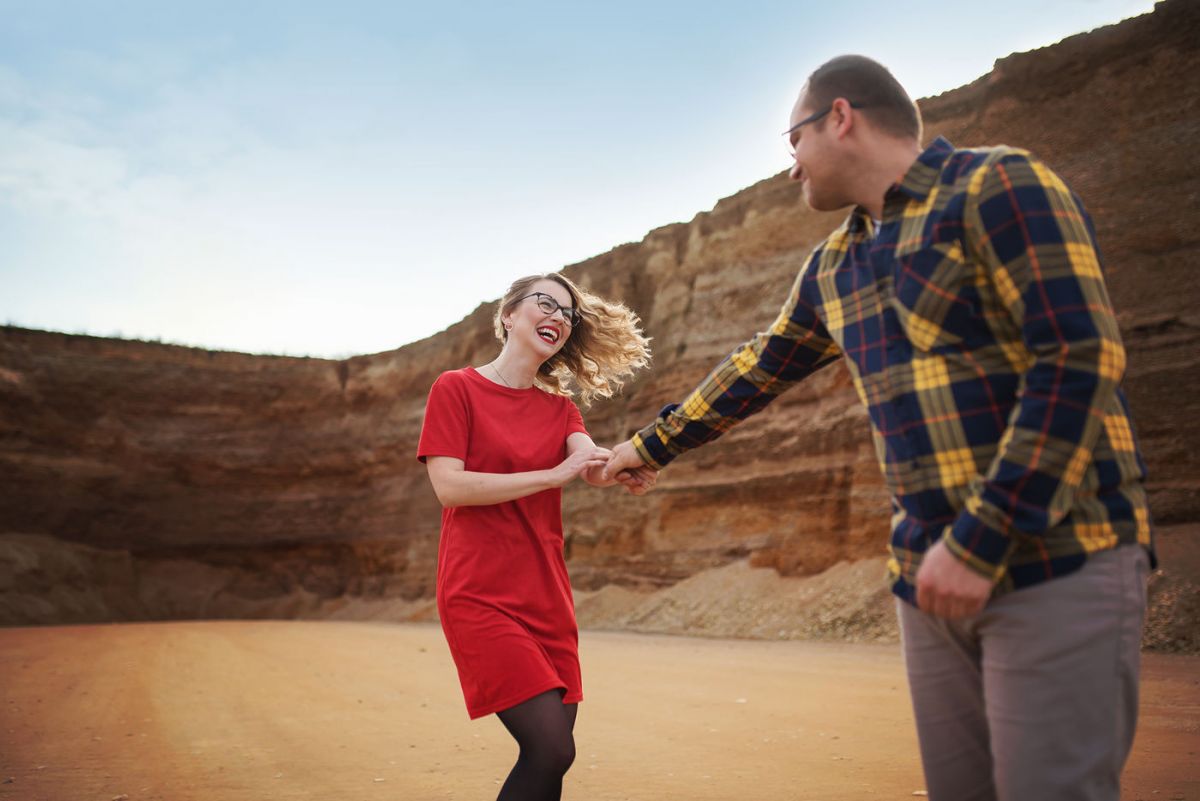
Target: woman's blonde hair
{"x":605,"y":348}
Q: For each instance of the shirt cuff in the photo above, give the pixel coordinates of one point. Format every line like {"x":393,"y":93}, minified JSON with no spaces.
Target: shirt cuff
{"x":983,"y":549}
{"x":652,"y":451}
{"x":652,"y":441}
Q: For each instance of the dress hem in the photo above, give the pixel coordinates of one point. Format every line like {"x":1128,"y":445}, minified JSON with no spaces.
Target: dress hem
{"x":508,"y":703}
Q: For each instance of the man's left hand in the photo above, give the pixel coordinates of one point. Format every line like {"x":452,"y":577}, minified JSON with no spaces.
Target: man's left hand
{"x":948,"y":588}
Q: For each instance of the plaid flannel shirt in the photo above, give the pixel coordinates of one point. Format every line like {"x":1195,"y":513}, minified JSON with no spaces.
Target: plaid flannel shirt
{"x":979,"y":333}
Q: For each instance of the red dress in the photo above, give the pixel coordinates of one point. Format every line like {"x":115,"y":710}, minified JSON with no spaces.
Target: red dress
{"x":502,"y":589}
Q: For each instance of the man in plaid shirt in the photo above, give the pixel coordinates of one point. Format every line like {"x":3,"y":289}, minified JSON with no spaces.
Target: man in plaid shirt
{"x":965,"y":292}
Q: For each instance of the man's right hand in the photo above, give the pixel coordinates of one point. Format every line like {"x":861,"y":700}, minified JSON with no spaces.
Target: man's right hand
{"x":624,"y":457}
{"x":638,"y":480}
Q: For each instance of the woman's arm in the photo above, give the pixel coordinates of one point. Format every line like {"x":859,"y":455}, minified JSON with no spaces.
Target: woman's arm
{"x":454,"y":485}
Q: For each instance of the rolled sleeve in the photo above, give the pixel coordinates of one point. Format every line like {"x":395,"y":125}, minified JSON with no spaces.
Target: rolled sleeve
{"x":745,"y":382}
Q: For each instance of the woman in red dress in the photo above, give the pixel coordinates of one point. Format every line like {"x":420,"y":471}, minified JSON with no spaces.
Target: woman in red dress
{"x":500,"y":442}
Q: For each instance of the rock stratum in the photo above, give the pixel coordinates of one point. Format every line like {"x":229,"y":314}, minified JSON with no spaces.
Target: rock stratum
{"x":149,"y":481}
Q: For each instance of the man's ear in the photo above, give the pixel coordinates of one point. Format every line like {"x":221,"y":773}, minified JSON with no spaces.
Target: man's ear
{"x":842,"y":117}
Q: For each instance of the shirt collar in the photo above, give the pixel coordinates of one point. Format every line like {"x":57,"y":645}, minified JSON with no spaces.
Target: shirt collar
{"x":924,"y":172}
{"x":917,"y":183}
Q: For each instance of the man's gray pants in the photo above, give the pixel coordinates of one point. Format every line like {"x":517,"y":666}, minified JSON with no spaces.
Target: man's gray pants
{"x":1036,"y":697}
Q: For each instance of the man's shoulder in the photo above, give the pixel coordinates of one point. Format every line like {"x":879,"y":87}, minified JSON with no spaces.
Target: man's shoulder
{"x":963,"y":163}
{"x":988,"y":153}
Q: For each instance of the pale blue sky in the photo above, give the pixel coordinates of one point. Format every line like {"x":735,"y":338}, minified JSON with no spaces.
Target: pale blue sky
{"x":341,"y":178}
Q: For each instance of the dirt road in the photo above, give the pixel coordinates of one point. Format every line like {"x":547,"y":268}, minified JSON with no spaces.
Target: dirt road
{"x":225,"y":711}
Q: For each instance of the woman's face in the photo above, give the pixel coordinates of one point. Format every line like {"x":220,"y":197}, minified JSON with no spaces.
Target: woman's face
{"x":539,"y":321}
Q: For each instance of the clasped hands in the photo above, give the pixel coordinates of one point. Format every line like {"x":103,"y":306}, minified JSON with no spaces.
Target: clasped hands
{"x":604,"y":467}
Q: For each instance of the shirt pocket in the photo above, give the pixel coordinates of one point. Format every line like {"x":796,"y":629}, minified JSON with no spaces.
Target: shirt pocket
{"x":933,"y":294}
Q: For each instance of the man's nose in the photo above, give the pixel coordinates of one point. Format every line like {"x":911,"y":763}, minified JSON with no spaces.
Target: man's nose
{"x":794,"y":172}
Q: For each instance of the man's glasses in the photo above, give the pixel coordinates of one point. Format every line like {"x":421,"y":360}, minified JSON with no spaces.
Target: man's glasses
{"x":790,"y":133}
{"x":549,"y":305}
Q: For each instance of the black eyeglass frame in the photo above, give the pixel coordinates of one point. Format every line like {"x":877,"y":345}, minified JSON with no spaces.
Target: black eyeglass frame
{"x":570,"y":314}
{"x":813,"y":118}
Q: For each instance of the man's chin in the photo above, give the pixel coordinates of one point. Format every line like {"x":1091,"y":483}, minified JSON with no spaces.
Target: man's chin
{"x":811,"y":199}
{"x":818,"y":202}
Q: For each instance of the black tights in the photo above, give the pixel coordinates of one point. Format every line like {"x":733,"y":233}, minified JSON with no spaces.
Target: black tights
{"x":543,"y":727}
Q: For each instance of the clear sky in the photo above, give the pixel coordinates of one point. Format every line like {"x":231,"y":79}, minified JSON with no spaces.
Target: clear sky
{"x":346,"y":177}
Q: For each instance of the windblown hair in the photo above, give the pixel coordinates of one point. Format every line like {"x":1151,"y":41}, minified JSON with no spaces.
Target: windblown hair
{"x":865,"y":81}
{"x":601,"y":352}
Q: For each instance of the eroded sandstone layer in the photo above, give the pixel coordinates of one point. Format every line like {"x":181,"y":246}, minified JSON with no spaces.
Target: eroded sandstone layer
{"x":142,"y":480}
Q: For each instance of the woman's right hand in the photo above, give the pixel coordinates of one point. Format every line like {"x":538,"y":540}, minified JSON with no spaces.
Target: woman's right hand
{"x":574,"y":465}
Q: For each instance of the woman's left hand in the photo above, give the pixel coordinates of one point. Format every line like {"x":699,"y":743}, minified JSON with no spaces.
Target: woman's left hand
{"x":594,"y":475}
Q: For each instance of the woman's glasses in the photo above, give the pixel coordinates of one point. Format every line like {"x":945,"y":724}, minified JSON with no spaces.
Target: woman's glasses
{"x":549,"y":305}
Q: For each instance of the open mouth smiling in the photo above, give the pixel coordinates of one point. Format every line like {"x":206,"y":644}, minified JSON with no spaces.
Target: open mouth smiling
{"x":549,"y":334}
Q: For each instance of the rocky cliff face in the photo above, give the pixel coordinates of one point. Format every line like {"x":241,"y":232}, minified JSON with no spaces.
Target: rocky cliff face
{"x":145,"y":480}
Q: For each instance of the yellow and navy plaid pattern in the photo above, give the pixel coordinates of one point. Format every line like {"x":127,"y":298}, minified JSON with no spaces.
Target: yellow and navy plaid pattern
{"x":978,"y":330}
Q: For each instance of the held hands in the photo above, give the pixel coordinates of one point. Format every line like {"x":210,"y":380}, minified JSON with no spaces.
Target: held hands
{"x":625,"y":465}
{"x":948,"y":588}
{"x":623,"y":457}
{"x":595,"y":465}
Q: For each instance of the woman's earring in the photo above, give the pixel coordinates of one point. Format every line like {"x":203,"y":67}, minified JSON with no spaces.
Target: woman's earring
{"x":508,"y":326}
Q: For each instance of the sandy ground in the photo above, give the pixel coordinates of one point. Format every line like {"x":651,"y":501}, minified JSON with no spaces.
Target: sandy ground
{"x":333,"y":710}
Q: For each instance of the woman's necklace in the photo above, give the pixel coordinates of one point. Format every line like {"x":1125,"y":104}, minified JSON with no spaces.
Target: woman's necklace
{"x":500,"y":375}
